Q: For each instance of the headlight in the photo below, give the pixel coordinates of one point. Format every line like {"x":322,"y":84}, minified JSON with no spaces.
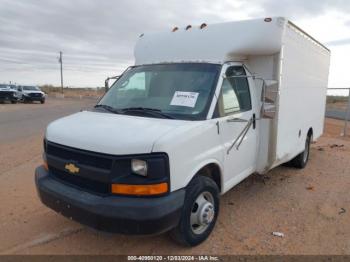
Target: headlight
{"x":139,"y":167}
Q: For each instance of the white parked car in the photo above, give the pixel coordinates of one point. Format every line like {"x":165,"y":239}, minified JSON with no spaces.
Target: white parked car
{"x":8,"y":93}
{"x":201,"y":110}
{"x":31,"y":94}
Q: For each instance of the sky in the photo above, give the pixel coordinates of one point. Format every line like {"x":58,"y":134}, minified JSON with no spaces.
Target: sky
{"x":97,"y":37}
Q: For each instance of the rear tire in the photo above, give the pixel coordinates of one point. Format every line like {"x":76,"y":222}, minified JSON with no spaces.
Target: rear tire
{"x":300,"y":161}
{"x":199,"y":212}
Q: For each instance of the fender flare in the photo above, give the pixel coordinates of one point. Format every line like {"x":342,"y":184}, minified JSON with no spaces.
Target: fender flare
{"x":200,"y":166}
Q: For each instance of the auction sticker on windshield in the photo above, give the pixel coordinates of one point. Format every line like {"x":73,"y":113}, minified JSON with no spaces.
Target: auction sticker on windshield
{"x":188,"y":99}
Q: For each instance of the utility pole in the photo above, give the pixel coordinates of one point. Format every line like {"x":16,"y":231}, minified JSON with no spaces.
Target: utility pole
{"x":60,"y":61}
{"x":347,"y":115}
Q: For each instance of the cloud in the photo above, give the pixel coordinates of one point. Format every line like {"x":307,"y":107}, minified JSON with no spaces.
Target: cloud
{"x":301,"y":8}
{"x":92,"y":34}
{"x":97,"y":37}
{"x":345,"y":41}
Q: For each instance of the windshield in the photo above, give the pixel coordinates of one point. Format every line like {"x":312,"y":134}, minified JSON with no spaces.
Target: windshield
{"x":4,"y":86}
{"x":31,"y":88}
{"x":183,"y":91}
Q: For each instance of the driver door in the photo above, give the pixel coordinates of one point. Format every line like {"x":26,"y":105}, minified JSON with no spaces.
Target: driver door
{"x":238,"y":130}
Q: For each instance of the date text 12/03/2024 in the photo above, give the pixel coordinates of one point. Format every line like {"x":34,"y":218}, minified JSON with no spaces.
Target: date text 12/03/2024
{"x":173,"y":258}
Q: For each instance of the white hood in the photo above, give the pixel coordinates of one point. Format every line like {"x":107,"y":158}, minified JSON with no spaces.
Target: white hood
{"x":7,"y":89}
{"x":32,"y":92}
{"x":110,"y":133}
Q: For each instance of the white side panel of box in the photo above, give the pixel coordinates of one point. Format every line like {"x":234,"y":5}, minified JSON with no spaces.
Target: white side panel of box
{"x":302,"y":94}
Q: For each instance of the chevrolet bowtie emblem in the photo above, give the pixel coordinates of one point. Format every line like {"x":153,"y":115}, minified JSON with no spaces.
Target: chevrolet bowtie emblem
{"x":72,"y":168}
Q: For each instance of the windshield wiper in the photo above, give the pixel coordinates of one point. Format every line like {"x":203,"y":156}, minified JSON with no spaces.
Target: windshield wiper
{"x":108,"y":108}
{"x":149,"y":111}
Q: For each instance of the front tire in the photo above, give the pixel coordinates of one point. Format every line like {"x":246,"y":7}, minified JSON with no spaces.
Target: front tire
{"x":199,"y":214}
{"x":42,"y":101}
{"x":300,"y":161}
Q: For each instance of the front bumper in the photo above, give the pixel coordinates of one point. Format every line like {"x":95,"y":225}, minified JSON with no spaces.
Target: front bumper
{"x":120,"y":214}
{"x":8,"y":97}
{"x":33,"y":98}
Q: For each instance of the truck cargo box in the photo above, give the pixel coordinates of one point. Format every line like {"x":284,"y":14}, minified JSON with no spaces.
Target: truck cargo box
{"x":292,"y":64}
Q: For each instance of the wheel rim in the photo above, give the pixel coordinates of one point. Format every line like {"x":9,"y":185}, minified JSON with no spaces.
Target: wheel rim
{"x":307,"y":149}
{"x":202,"y":213}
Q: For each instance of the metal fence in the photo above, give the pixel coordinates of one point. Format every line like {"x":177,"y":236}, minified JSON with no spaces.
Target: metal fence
{"x":338,"y":107}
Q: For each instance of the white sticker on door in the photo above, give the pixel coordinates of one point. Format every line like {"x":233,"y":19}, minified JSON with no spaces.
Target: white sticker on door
{"x":188,"y":99}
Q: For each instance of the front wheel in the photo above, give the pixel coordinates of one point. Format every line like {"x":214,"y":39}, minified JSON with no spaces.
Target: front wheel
{"x":300,"y":161}
{"x":199,"y":213}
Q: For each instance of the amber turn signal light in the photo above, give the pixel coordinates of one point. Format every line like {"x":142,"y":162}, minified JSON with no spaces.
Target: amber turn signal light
{"x":140,"y":190}
{"x":45,"y":166}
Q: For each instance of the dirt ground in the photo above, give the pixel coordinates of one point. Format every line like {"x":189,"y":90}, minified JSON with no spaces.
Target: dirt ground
{"x":311,"y":206}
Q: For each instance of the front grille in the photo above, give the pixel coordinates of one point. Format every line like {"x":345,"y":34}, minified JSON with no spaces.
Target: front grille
{"x":80,"y":156}
{"x":35,"y":95}
{"x":93,"y":167}
{"x":6,"y":94}
{"x":80,"y":182}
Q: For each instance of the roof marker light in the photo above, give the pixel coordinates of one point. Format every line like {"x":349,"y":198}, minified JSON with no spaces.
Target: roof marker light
{"x":268,"y":19}
{"x":188,"y":27}
{"x":175,"y":29}
{"x":203,"y":26}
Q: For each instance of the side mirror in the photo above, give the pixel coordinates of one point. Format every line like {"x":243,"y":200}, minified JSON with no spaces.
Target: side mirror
{"x":106,"y":84}
{"x":269,"y":98}
{"x":107,"y":81}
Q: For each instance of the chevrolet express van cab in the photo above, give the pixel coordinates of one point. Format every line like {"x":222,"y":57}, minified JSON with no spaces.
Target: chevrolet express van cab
{"x":202,"y":109}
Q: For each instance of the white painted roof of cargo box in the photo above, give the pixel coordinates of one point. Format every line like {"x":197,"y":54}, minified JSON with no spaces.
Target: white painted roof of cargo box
{"x":215,"y":43}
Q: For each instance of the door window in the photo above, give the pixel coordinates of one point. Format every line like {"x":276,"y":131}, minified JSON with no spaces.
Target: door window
{"x":235,"y":95}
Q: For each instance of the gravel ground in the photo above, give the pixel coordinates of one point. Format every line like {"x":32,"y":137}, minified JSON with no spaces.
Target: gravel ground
{"x":311,"y":207}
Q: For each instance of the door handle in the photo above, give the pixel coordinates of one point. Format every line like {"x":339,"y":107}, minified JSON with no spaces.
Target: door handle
{"x":235,"y":120}
{"x":241,"y":120}
{"x":254,"y":121}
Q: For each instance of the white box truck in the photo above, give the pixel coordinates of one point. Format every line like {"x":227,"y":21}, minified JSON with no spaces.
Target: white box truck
{"x":202,"y":109}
